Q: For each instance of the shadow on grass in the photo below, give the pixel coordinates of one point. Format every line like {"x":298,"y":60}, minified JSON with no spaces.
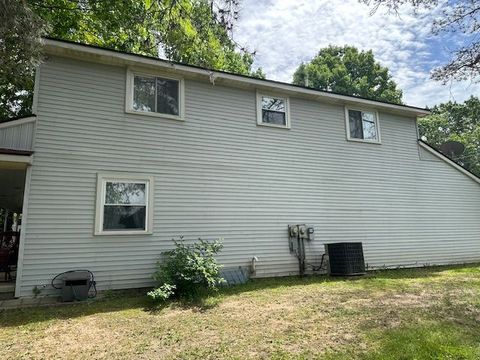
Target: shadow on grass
{"x":137,"y":299}
{"x":115,"y":301}
{"x":202,"y":301}
{"x":111,"y":302}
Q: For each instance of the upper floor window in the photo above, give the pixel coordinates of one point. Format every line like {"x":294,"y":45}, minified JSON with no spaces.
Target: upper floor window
{"x":273,"y":111}
{"x":362,"y":126}
{"x":154,"y":95}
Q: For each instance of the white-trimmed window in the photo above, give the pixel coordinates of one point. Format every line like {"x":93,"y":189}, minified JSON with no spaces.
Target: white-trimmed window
{"x":273,"y":111}
{"x":155,"y":95}
{"x":362,"y":125}
{"x":124,"y":204}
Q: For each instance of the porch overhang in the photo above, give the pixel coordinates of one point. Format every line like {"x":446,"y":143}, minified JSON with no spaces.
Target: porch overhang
{"x":15,"y":159}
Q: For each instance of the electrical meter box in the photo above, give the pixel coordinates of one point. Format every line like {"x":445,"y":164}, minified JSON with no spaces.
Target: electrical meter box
{"x":292,"y":238}
{"x":299,"y":231}
{"x":310,"y":232}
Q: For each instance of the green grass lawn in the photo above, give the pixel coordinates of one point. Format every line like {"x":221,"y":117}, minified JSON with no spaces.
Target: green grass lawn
{"x":428,"y":313}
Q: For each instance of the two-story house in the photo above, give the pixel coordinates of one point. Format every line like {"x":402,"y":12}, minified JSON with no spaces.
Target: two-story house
{"x":126,"y":152}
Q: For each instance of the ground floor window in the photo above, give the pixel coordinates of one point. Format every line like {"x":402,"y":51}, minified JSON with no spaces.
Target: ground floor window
{"x":124,"y":204}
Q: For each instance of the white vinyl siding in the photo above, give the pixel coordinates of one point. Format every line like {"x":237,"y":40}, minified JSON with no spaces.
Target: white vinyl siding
{"x":217,"y":174}
{"x":18,"y":134}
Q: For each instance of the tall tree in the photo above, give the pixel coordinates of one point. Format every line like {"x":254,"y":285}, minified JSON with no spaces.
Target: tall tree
{"x":196,"y":32}
{"x":348,"y":71}
{"x":460,"y":17}
{"x":20,"y":34}
{"x":458,"y":122}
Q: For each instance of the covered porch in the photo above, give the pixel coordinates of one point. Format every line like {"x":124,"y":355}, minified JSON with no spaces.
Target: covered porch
{"x":16,"y":157}
{"x":12,"y":186}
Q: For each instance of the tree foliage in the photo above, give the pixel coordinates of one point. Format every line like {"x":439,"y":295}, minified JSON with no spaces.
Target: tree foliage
{"x":20,"y":34}
{"x":348,"y":71}
{"x":191,"y":31}
{"x":197,"y":32}
{"x":458,"y":122}
{"x":461,"y":17}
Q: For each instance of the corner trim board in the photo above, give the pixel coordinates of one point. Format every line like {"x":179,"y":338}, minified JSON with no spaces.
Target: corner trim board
{"x":21,"y":247}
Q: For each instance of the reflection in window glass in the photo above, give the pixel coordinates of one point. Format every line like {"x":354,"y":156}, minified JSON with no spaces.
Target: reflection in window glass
{"x":124,"y":218}
{"x":155,"y":94}
{"x":125,"y":206}
{"x":167,"y":96}
{"x":272,"y":117}
{"x":274,"y":111}
{"x":369,"y":130}
{"x":355,"y":124}
{"x":144,"y":94}
{"x":274,"y":104}
{"x":363,"y":125}
{"x":124,"y":193}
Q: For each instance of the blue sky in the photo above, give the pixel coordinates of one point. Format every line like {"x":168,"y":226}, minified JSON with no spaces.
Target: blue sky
{"x":286,"y":32}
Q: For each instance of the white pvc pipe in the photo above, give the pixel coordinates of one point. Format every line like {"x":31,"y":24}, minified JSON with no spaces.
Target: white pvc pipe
{"x":5,"y":221}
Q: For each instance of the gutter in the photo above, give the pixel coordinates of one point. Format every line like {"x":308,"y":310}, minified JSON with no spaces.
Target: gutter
{"x":7,"y":151}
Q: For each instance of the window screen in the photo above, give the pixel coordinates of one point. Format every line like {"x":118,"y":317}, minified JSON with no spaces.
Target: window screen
{"x":274,"y":111}
{"x":155,"y":94}
{"x":125,"y":206}
{"x":363,"y":125}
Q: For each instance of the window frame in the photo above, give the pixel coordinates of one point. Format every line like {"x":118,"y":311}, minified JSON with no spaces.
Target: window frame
{"x":377,"y":125}
{"x":132,"y":72}
{"x":286,"y":99}
{"x":102,"y":179}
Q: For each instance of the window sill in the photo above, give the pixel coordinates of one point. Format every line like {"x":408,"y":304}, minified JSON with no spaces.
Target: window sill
{"x":110,"y":233}
{"x":365,"y":141}
{"x":157,"y":115}
{"x":286,"y":127}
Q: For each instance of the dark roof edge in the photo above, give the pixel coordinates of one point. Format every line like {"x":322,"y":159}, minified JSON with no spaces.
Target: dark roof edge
{"x":6,"y":151}
{"x":234,"y":74}
{"x":3,"y":121}
{"x":440,"y":154}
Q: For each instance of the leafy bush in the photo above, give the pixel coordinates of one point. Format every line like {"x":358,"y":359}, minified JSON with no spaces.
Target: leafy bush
{"x":162,"y":293}
{"x":186,"y":269}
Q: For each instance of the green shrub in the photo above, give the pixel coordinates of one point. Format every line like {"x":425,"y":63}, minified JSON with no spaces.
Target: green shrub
{"x":187,"y":269}
{"x":162,"y":293}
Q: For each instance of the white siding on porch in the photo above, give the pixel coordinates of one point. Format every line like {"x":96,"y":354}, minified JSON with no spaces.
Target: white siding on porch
{"x":218,"y":174}
{"x":18,"y":134}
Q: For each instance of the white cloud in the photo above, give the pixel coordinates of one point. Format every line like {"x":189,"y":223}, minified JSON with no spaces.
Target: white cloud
{"x":285,"y":33}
